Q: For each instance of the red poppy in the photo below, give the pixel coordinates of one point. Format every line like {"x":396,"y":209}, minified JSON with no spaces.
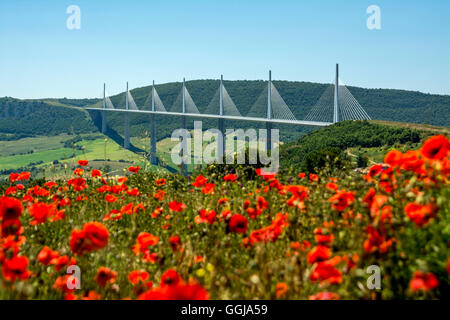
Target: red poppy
{"x":110,"y":198}
{"x":41,"y":212}
{"x":423,"y":281}
{"x":199,"y":181}
{"x":170,"y":277}
{"x":15,"y":268}
{"x":143,"y":241}
{"x":96,"y":173}
{"x":319,"y":253}
{"x":325,"y":271}
{"x":238,"y":224}
{"x":341,"y":200}
{"x":159,"y":195}
{"x":301,"y":175}
{"x":10,"y":208}
{"x":94,"y":236}
{"x":133,"y":192}
{"x":420,"y":214}
{"x":105,"y":276}
{"x":206,"y":216}
{"x":175,"y":242}
{"x":137,"y":276}
{"x":46,"y":255}
{"x":83,"y":163}
{"x":208,"y":188}
{"x":177,"y":206}
{"x":160,"y":182}
{"x":281,"y":289}
{"x":436,"y":148}
{"x":325,"y":296}
{"x":134,"y":169}
{"x":230,"y":177}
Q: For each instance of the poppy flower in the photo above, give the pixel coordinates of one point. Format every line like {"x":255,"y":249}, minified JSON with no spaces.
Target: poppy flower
{"x":62,"y":261}
{"x":10,"y":208}
{"x":238,"y":224}
{"x":41,"y":212}
{"x":134,"y":169}
{"x":206,"y":216}
{"x":177,"y":206}
{"x":180,"y":291}
{"x":160,"y":182}
{"x":136,"y":276}
{"x":436,"y":148}
{"x":175,"y":242}
{"x":341,"y":200}
{"x":83,"y":163}
{"x":326,"y":272}
{"x":96,"y":173}
{"x":15,"y":268}
{"x":208,"y":188}
{"x":105,"y":276}
{"x":423,"y":281}
{"x":94,"y":236}
{"x":159,"y":195}
{"x":301,"y":175}
{"x":133,"y":192}
{"x":199,"y":181}
{"x":170,"y":277}
{"x":325,"y":296}
{"x":230,"y":177}
{"x":319,"y":253}
{"x":143,"y":241}
{"x":110,"y":198}
{"x":46,"y":255}
{"x":420,"y":214}
{"x":281,"y":289}
{"x":78,"y":172}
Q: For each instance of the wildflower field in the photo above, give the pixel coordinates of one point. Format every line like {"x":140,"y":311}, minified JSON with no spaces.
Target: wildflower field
{"x":231,"y":235}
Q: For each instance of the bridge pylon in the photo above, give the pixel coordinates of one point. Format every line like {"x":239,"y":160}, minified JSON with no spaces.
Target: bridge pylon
{"x":269,"y":114}
{"x":336,"y":96}
{"x":103,"y":113}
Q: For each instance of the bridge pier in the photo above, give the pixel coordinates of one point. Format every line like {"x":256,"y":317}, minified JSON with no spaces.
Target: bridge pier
{"x":103,"y":113}
{"x":126,"y":138}
{"x":269,"y":137}
{"x":183,"y":126}
{"x":153,"y":158}
{"x":221,"y":142}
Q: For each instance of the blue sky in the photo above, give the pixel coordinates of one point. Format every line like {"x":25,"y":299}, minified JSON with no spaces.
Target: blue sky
{"x":141,"y":41}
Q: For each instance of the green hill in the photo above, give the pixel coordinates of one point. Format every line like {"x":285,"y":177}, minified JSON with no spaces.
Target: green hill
{"x":347,"y":139}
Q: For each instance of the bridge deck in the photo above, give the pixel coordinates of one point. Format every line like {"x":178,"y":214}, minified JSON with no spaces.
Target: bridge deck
{"x":216,"y":116}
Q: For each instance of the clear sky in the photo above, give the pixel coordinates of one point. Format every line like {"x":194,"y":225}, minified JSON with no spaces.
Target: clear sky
{"x":167,"y":40}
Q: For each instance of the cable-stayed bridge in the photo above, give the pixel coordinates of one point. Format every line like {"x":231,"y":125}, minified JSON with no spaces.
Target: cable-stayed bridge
{"x":336,"y":104}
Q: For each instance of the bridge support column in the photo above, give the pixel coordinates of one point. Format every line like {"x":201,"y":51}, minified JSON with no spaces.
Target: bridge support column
{"x":103,"y":113}
{"x":221,"y":142}
{"x":269,"y":137}
{"x":153,"y":158}
{"x":183,"y":126}
{"x":126,"y":138}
